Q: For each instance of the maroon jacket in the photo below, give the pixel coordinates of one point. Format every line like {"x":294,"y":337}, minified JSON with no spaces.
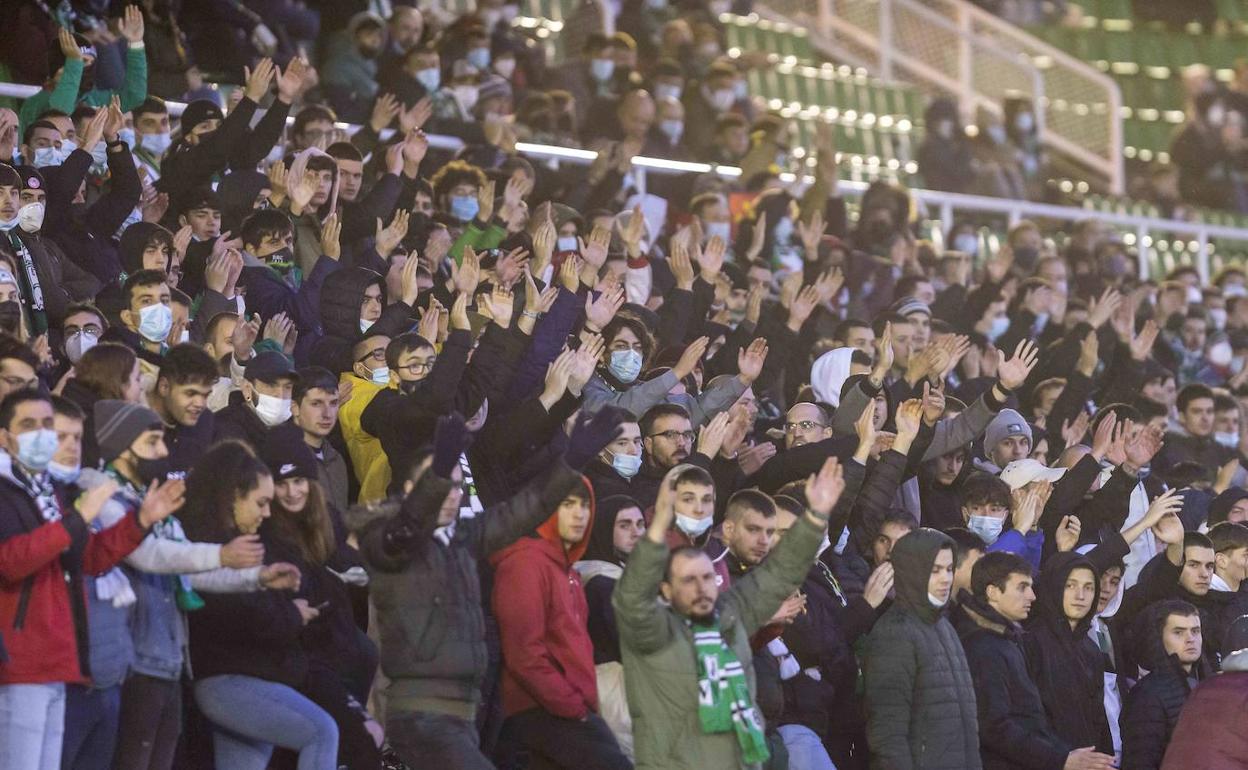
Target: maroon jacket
{"x":548,"y":657}
{"x":1210,"y":729}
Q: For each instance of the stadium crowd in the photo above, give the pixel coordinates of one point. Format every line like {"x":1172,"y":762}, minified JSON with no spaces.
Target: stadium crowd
{"x":328,"y":449}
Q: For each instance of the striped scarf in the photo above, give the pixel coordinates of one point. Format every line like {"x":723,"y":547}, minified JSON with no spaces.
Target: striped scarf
{"x":724,"y":701}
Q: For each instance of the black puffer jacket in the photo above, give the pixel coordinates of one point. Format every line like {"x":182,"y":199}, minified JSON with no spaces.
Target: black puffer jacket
{"x":341,"y":299}
{"x":1014,"y":730}
{"x":1151,"y":709}
{"x":1066,"y":665}
{"x":919,"y":694}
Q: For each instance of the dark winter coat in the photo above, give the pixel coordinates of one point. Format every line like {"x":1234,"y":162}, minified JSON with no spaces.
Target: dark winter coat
{"x":919,"y":694}
{"x":342,"y":295}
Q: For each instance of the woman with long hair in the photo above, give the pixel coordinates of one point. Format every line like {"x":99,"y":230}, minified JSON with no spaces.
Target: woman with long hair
{"x":107,"y":371}
{"x":245,"y":648}
{"x":342,"y":660}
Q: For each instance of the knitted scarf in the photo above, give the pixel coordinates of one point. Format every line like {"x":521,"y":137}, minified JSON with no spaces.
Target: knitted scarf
{"x":724,"y":701}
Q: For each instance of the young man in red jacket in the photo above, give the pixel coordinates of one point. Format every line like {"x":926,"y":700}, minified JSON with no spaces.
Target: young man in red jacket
{"x":45,"y":547}
{"x":550,"y":691}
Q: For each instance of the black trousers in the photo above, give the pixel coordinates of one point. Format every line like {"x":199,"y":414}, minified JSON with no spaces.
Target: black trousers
{"x":555,"y":742}
{"x":151,"y":721}
{"x":440,"y":741}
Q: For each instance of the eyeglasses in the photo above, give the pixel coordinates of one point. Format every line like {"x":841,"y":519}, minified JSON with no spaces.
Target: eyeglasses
{"x":686,"y":436}
{"x":378,"y":354}
{"x":419,"y":366}
{"x":91,"y":330}
{"x":793,"y":427}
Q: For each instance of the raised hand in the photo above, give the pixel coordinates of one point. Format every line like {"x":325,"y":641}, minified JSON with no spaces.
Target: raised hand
{"x":414,"y":119}
{"x":933,"y":403}
{"x":600,"y":311}
{"x":594,"y":252}
{"x":415,"y":147}
{"x":244,"y":337}
{"x":1144,"y":445}
{"x":711,"y":260}
{"x":459,"y":313}
{"x":864,"y":427}
{"x":467,"y":274}
{"x":95,"y":130}
{"x":1088,"y":352}
{"x":389,"y":237}
{"x":557,"y":375}
{"x":584,"y":362}
{"x":879,"y":584}
{"x":753,"y":459}
{"x":1012,"y":373}
{"x":691,"y":357}
{"x":883,"y":354}
{"x":500,"y":304}
{"x":1074,"y":430}
{"x":162,"y":499}
{"x":570,"y":272}
{"x":277,"y":327}
{"x":681,"y":266}
{"x":385,"y":109}
{"x":116,"y":119}
{"x":485,"y":201}
{"x":909,"y":416}
{"x":829,"y":284}
{"x":544,"y":240}
{"x":757,"y":238}
{"x":1142,"y":343}
{"x":824,"y":488}
{"x":1104,"y":437}
{"x":633,"y":232}
{"x":301,"y":190}
{"x":331,"y":233}
{"x":258,"y":80}
{"x":131,"y":25}
{"x":810,"y":234}
{"x":750,"y":361}
{"x":510,"y":266}
{"x":290,"y":82}
{"x":1067,"y":534}
{"x":711,"y":436}
{"x":69,"y":46}
{"x":754,"y":304}
{"x":801,"y":307}
{"x":1104,"y":308}
{"x":431,"y":321}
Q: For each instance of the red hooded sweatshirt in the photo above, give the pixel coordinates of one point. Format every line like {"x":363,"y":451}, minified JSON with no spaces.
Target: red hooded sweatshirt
{"x":548,"y":658}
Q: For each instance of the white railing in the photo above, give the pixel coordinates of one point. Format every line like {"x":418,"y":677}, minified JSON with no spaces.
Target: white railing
{"x":953,"y":47}
{"x":943,"y":206}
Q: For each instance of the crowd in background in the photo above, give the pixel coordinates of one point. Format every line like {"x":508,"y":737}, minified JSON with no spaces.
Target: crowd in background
{"x":328,"y":448}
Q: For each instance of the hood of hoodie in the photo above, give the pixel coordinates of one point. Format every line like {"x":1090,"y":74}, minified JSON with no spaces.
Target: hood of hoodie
{"x":829,"y":373}
{"x":601,"y":540}
{"x":941,"y":109}
{"x":341,"y":297}
{"x":546,"y":539}
{"x":1150,"y":651}
{"x":133,"y":241}
{"x":1051,"y":587}
{"x":299,"y":164}
{"x":913,"y":557}
{"x":237,"y":193}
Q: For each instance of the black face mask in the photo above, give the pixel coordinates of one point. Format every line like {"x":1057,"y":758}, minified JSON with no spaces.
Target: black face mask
{"x":283,"y":257}
{"x":1026,"y":257}
{"x":150,"y":470}
{"x":10,"y":316}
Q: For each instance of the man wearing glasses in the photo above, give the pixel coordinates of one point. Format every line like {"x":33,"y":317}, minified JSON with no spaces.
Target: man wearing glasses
{"x":17,"y":366}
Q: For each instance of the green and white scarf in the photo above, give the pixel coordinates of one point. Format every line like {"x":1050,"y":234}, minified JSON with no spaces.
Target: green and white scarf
{"x":724,"y":701}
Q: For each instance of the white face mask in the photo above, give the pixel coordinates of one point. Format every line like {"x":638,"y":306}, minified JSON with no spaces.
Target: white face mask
{"x":505,"y":67}
{"x":722,"y":229}
{"x":365,"y":325}
{"x":48,"y":156}
{"x":1227,"y":439}
{"x":1194,"y":297}
{"x":693,"y":527}
{"x":666,"y":91}
{"x":1234,"y":290}
{"x":938,"y":603}
{"x":723,"y":99}
{"x":1218,"y":316}
{"x":1221,"y":353}
{"x":568,"y":243}
{"x":272,"y":410}
{"x":30,"y":217}
{"x":1000,"y":325}
{"x":380,"y":376}
{"x":467,"y":97}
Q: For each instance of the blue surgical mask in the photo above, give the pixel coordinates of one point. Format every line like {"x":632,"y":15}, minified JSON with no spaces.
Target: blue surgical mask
{"x":722,"y":229}
{"x":694,"y":527}
{"x":783,"y":231}
{"x":464,"y":207}
{"x":380,"y":376}
{"x":126,"y":135}
{"x":479,"y":58}
{"x":967,"y":243}
{"x":430,"y":78}
{"x":48,"y":156}
{"x":568,"y":243}
{"x":155,"y":322}
{"x":156,"y":144}
{"x":626,"y":465}
{"x":625,"y":365}
{"x":68,"y":146}
{"x":673,"y":129}
{"x":602,"y":69}
{"x":35,"y":448}
{"x":1000,"y":325}
{"x":1228,"y":439}
{"x":99,"y":155}
{"x":987,"y":527}
{"x":66,"y":474}
{"x":667,"y":91}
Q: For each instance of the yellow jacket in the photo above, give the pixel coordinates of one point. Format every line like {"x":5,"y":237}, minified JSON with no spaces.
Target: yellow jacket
{"x":368,"y":459}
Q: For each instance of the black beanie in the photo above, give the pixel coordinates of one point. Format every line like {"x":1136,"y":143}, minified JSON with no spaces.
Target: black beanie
{"x":197,"y":112}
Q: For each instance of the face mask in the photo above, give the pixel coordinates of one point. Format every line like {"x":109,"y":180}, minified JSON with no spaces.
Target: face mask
{"x":672,"y":129}
{"x":1234,"y":290}
{"x":656,"y":5}
{"x":1221,"y":353}
{"x":1026,"y":257}
{"x":568,"y":243}
{"x":380,"y":376}
{"x":430,"y":78}
{"x":722,"y":229}
{"x":999,"y":326}
{"x":48,"y":156}
{"x":741,"y":89}
{"x":282,"y":258}
{"x":625,"y":365}
{"x":156,"y":144}
{"x":464,"y":207}
{"x":691,"y":526}
{"x":966,"y":243}
{"x":78,"y":344}
{"x":1194,"y":297}
{"x":479,"y":58}
{"x":783,"y":231}
{"x":602,"y":69}
{"x":30,"y":217}
{"x":155,"y":322}
{"x":1025,"y":122}
{"x":722,"y":100}
{"x":126,"y":136}
{"x":272,"y":410}
{"x":99,"y":155}
{"x":365,"y":325}
{"x":1229,"y":440}
{"x":10,"y":316}
{"x":467,"y":96}
{"x":35,"y":448}
{"x":667,"y":91}
{"x":67,"y":147}
{"x":987,"y":527}
{"x":505,"y":67}
{"x":66,"y":474}
{"x":626,"y":465}
{"x":8,"y":224}
{"x":997,"y":134}
{"x":150,"y":470}
{"x":938,"y":603}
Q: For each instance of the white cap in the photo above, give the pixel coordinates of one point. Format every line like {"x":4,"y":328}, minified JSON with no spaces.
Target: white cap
{"x":1020,"y":473}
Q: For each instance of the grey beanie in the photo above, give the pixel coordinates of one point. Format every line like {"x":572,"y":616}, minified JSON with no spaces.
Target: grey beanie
{"x":1007,"y":423}
{"x":907,"y":305}
{"x":119,"y":423}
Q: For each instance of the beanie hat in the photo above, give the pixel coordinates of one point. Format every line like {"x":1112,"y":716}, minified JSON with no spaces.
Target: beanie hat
{"x":32,"y":178}
{"x":287,"y":455}
{"x":1221,"y":506}
{"x":197,"y":112}
{"x":493,"y":86}
{"x":907,"y":305}
{"x":9,"y":176}
{"x":119,"y":423}
{"x":1007,"y":423}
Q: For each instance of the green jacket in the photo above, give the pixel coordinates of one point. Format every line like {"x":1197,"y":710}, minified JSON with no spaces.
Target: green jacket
{"x":919,"y":694}
{"x":64,"y":96}
{"x":477,"y":238}
{"x":660,"y":671}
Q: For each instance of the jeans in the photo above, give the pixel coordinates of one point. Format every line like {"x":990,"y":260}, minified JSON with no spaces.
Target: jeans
{"x":806,"y":751}
{"x":151,"y":710}
{"x":555,"y":742}
{"x":32,"y":724}
{"x":426,"y":739}
{"x":91,"y":719}
{"x":252,"y":715}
